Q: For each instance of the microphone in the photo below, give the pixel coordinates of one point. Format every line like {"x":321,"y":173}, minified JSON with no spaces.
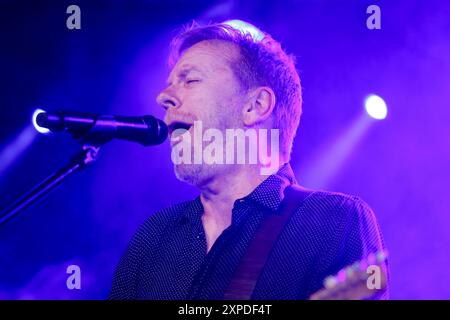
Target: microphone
{"x":98,"y":129}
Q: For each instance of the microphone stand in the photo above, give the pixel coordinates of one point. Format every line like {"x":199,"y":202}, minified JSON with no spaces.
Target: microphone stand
{"x":87,"y":155}
{"x":91,"y":140}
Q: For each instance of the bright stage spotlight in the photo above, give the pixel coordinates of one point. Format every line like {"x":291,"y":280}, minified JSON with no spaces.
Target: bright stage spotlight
{"x":14,"y":149}
{"x":36,"y":126}
{"x":246,"y":27}
{"x":376,"y":107}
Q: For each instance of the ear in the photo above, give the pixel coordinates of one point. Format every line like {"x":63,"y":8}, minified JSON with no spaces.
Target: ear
{"x":259,"y":106}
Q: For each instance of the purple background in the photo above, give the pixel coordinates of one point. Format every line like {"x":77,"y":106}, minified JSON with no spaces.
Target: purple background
{"x":116,"y":64}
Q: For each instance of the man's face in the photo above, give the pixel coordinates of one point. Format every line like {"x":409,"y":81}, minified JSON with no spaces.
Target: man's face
{"x":202,"y":87}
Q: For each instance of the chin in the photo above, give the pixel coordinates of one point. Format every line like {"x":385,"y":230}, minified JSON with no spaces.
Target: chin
{"x":199,"y":174}
{"x":193,"y":174}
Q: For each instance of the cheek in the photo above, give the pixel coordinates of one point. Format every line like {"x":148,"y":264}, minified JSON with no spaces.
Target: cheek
{"x":207,"y":99}
{"x":196,"y":101}
{"x":216,"y":105}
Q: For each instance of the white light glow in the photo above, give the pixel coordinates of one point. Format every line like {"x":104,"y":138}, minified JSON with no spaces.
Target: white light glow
{"x":36,"y":126}
{"x":246,"y":27}
{"x":376,"y":107}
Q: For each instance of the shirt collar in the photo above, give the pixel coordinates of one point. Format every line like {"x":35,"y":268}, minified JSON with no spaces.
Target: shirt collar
{"x":268,"y":194}
{"x":194,"y":209}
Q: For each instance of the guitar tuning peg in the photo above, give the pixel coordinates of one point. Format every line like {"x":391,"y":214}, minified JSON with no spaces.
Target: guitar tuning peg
{"x":381,"y":256}
{"x":330,"y":282}
{"x":350,"y":271}
{"x":363,"y":265}
{"x":341,"y":276}
{"x":355,"y":266}
{"x":371,"y":259}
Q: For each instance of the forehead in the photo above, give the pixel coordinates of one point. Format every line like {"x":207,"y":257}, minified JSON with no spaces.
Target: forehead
{"x":208,"y":56}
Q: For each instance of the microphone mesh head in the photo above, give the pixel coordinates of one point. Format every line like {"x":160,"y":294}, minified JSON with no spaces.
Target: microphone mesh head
{"x":157,"y":132}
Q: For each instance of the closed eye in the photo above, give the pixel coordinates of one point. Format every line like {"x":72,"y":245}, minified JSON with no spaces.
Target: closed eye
{"x":192,"y":80}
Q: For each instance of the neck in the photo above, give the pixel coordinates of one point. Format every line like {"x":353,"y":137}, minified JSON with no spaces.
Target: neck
{"x":219,"y":196}
{"x":220,"y":193}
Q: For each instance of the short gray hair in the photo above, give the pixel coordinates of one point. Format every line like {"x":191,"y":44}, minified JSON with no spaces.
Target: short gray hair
{"x":261,"y":63}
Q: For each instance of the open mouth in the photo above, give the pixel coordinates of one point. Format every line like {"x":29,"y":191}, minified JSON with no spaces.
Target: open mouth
{"x":177,"y":128}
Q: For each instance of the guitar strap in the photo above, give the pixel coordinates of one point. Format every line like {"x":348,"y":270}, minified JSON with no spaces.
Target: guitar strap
{"x":252,"y":263}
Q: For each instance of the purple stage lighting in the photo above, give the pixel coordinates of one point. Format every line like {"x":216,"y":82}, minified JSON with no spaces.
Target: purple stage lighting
{"x":16,"y":147}
{"x":36,"y":126}
{"x":375,"y":107}
{"x":246,"y":27}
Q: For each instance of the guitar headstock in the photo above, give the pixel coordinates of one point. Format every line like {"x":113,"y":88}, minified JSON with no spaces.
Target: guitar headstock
{"x":361,"y":280}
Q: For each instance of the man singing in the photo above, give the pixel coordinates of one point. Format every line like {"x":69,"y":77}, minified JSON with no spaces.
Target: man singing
{"x":223,"y":79}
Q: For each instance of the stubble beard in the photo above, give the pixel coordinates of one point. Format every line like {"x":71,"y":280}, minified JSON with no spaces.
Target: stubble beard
{"x":201,"y":174}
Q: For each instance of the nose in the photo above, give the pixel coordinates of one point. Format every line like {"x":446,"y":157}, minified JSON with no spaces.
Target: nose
{"x":167,"y":100}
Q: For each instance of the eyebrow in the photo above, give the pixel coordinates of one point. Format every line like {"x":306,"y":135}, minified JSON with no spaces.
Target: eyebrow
{"x":184,"y":70}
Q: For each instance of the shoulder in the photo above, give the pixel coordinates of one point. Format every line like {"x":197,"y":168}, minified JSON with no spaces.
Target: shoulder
{"x":150,"y":232}
{"x":141,"y":248}
{"x":337,"y":205}
{"x":341,"y":229}
{"x":345,"y":220}
{"x":334,"y":215}
{"x":163,"y":219}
